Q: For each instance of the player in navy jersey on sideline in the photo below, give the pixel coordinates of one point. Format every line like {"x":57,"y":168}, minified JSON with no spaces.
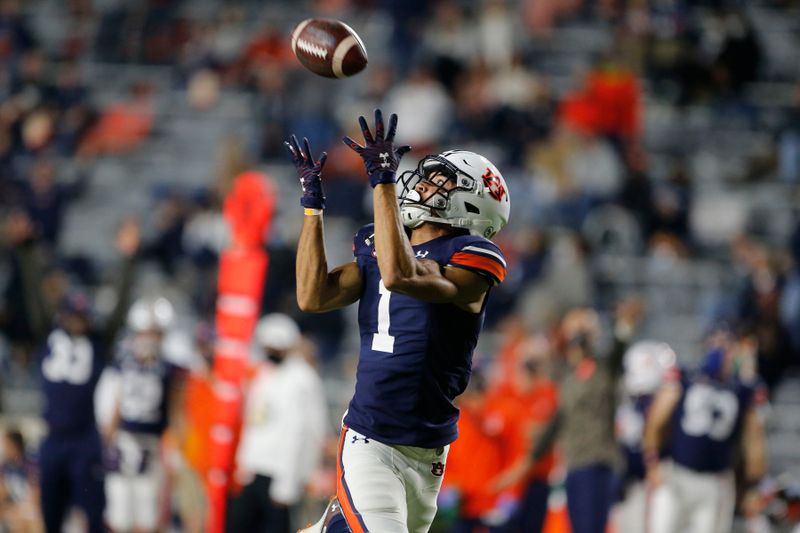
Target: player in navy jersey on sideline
{"x":699,"y":419}
{"x":73,"y":353}
{"x":421,"y":274}
{"x":644,"y":365}
{"x":150,"y":390}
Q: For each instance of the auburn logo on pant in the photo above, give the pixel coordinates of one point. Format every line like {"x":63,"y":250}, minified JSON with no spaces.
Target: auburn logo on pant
{"x":437,"y":469}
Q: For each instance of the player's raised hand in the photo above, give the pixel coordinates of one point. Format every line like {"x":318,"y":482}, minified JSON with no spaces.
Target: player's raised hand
{"x":128,"y":237}
{"x":309,"y":171}
{"x":381,"y":158}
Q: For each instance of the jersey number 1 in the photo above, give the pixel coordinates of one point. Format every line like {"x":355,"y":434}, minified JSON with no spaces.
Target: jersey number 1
{"x":382,"y":341}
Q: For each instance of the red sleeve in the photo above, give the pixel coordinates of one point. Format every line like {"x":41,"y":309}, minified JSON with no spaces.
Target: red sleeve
{"x":482,"y":260}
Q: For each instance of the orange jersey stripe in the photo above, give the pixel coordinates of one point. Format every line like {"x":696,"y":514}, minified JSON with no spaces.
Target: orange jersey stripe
{"x":480,"y":262}
{"x":352,"y":518}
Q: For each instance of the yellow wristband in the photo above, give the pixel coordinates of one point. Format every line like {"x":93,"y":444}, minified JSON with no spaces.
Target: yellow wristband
{"x":310,"y":211}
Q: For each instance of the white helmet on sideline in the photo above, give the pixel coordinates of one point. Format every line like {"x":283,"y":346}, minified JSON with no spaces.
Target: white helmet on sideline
{"x":148,"y":314}
{"x":645,"y":363}
{"x":479,"y":202}
{"x":277,"y":331}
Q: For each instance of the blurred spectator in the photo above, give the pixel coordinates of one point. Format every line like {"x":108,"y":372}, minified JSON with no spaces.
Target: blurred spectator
{"x":423,"y":103}
{"x":465,"y":493}
{"x":166,"y":248}
{"x":15,"y":34}
{"x":496,"y":34}
{"x":585,"y":417}
{"x":739,"y":59}
{"x":205,"y":236}
{"x":519,"y":411}
{"x":283,"y":433}
{"x":790,"y":299}
{"x":122,"y":126}
{"x":19,"y":491}
{"x":789,"y":142}
{"x":450,"y":41}
{"x":758,"y":301}
{"x":46,"y":200}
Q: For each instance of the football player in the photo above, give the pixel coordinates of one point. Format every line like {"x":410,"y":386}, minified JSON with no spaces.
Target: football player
{"x":149,"y":391}
{"x":422,"y":273}
{"x":644,"y":365}
{"x":73,"y":353}
{"x":698,"y":419}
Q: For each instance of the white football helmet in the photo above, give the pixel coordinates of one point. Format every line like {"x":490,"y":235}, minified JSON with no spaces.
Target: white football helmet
{"x":149,"y":314}
{"x":479,"y":202}
{"x":645,"y":363}
{"x":277,"y":331}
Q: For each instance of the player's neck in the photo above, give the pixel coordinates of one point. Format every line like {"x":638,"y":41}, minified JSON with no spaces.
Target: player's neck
{"x":427,"y":232}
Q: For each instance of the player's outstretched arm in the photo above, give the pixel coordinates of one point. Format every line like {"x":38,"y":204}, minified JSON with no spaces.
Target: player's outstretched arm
{"x":400,"y":270}
{"x":318,"y":289}
{"x":754,"y":446}
{"x":656,"y":425}
{"x":128,"y":241}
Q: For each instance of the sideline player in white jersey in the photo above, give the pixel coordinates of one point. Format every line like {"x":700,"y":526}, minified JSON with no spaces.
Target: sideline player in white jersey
{"x":148,"y":392}
{"x":421,"y":275}
{"x":644,"y":366}
{"x":697,"y":422}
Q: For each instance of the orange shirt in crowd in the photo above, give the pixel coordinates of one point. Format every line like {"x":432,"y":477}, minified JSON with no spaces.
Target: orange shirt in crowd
{"x":473,"y":461}
{"x":517,"y":417}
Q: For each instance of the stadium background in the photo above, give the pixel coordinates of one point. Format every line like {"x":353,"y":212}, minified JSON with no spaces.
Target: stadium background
{"x":686,"y":194}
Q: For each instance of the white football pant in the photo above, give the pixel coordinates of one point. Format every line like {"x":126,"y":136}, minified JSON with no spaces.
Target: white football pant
{"x":692,"y":502}
{"x":387,"y":489}
{"x":133,"y":492}
{"x":629,"y":514}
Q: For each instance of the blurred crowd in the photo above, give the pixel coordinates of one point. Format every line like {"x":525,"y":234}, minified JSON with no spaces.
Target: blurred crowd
{"x":572,"y":124}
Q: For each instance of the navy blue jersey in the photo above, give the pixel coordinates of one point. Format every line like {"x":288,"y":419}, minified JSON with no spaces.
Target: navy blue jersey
{"x":415,"y":356}
{"x":70,"y":370}
{"x":144,"y":393}
{"x":631,"y":416}
{"x":707,"y":422}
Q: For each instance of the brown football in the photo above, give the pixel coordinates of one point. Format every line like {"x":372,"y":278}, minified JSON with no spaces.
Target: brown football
{"x":329,"y":48}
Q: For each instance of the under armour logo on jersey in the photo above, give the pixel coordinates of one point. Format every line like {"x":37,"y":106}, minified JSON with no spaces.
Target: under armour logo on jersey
{"x":437,"y":469}
{"x":384,"y":159}
{"x":422,"y":254}
{"x":356,"y":438}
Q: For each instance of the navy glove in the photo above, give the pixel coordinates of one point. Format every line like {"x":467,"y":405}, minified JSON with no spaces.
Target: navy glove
{"x":309,"y":172}
{"x":381,"y":158}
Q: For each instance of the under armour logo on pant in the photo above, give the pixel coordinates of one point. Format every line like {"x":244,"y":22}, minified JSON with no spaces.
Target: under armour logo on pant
{"x":356,"y":439}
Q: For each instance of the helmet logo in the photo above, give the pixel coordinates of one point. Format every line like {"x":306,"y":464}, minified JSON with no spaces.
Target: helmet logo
{"x":488,"y":232}
{"x":492,"y":182}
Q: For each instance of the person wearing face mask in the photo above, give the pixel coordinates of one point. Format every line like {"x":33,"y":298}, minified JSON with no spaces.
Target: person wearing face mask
{"x":585,"y":417}
{"x":150,"y":394}
{"x":283,"y":433}
{"x":522,"y":410}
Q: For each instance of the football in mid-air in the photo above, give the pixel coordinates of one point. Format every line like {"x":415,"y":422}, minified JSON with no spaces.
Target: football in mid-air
{"x":329,"y":48}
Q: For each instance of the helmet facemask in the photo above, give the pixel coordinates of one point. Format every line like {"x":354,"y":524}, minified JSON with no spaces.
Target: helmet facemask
{"x":414,"y":210}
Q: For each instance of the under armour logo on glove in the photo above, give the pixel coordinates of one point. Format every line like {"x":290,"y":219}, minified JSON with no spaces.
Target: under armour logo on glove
{"x":381,"y":158}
